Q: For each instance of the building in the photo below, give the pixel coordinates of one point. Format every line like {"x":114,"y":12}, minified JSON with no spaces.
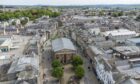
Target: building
{"x":119,"y":34}
{"x":5,"y":43}
{"x":24,"y":68}
{"x":126,"y":52}
{"x":94,"y":31}
{"x":63,"y":49}
{"x":104,"y":74}
{"x":133,"y":41}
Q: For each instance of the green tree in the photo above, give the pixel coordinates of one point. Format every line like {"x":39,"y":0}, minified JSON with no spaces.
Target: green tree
{"x":138,"y":18}
{"x":79,"y":72}
{"x":57,"y":72}
{"x":120,"y":13}
{"x":31,"y":13}
{"x":56,"y":63}
{"x":77,"y":61}
{"x":24,"y":21}
{"x":114,"y":14}
{"x":13,"y":23}
{"x":101,"y":13}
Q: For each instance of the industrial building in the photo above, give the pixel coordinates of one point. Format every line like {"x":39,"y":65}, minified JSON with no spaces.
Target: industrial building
{"x":119,"y":34}
{"x":127,"y":52}
{"x":133,"y":41}
{"x":63,"y":49}
{"x":24,"y":68}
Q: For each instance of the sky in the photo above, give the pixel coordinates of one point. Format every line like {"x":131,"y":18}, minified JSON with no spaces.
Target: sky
{"x":66,"y":2}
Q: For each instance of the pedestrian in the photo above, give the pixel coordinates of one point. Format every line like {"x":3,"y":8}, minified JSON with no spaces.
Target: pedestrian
{"x":88,"y":67}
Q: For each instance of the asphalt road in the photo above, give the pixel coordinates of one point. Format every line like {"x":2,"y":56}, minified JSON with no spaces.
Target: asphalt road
{"x":90,"y":77}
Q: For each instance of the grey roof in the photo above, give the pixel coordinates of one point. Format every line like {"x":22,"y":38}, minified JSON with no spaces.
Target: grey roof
{"x":127,"y":50}
{"x":135,"y":40}
{"x":130,"y":81}
{"x":96,"y":50}
{"x":62,"y":43}
{"x":21,"y":64}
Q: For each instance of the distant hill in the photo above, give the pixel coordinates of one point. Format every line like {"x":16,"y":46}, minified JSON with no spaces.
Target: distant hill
{"x":121,"y":6}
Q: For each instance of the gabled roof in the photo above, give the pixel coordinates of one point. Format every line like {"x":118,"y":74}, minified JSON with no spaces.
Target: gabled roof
{"x":62,"y":43}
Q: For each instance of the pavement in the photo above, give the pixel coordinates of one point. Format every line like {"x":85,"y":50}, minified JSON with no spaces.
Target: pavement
{"x":90,"y":77}
{"x":19,"y":43}
{"x":68,"y":73}
{"x":47,"y":60}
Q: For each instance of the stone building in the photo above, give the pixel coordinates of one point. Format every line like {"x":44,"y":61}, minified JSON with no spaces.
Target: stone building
{"x":63,"y":50}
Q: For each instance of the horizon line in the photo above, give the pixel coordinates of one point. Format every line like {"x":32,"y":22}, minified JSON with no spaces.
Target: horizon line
{"x":65,"y":5}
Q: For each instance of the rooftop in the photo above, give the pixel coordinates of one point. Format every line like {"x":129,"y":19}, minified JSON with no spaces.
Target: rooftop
{"x":119,"y":32}
{"x":127,"y":49}
{"x":21,"y":64}
{"x":135,"y":40}
{"x":62,"y":43}
{"x":96,"y":50}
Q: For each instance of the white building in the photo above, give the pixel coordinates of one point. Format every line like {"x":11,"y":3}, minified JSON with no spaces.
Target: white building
{"x":94,"y":31}
{"x":104,"y":75}
{"x":120,"y":34}
{"x":5,"y":44}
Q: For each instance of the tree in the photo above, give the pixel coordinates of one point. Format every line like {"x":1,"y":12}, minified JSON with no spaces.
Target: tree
{"x":120,"y":13}
{"x":77,"y":61}
{"x":101,"y":13}
{"x":114,"y":14}
{"x":56,"y":63}
{"x":138,"y":18}
{"x":79,"y":72}
{"x":24,"y":22}
{"x":31,"y":13}
{"x":13,"y":23}
{"x":57,"y":72}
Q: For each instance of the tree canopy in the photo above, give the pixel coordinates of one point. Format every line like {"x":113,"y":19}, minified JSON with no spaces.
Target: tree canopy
{"x":31,"y":13}
{"x":77,"y":61}
{"x":56,"y":63}
{"x":57,"y":72}
{"x":79,"y":71}
{"x":116,"y":14}
{"x":138,"y":18}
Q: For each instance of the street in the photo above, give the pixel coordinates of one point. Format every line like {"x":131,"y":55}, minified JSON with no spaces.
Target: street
{"x":90,"y":77}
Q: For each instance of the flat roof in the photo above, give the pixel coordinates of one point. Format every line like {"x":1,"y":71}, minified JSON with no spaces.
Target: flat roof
{"x":21,"y":63}
{"x":7,"y":42}
{"x":96,"y":50}
{"x":119,"y":32}
{"x":127,"y":49}
{"x":134,"y":59}
{"x":134,"y":40}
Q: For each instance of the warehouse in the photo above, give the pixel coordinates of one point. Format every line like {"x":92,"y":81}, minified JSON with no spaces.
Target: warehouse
{"x":127,"y":52}
{"x":120,"y":34}
{"x":133,"y":41}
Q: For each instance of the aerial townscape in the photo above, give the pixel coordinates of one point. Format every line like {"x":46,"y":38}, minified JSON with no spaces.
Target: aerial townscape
{"x":97,"y":44}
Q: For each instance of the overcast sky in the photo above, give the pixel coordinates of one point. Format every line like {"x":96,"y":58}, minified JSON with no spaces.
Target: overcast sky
{"x":66,"y":2}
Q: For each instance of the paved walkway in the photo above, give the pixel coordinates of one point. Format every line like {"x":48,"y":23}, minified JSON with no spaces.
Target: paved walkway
{"x":89,"y":77}
{"x":68,"y":72}
{"x":47,"y":64}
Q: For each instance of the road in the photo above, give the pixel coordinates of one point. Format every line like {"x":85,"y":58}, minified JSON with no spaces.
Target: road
{"x":47,"y":59}
{"x":90,"y":77}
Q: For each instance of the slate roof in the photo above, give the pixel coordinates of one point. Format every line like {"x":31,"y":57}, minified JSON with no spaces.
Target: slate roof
{"x":62,"y":43}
